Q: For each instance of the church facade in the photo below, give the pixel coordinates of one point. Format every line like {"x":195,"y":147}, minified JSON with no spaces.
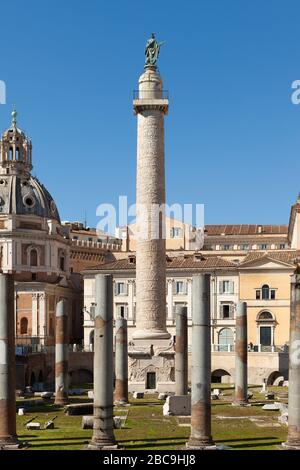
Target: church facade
{"x":34,"y":246}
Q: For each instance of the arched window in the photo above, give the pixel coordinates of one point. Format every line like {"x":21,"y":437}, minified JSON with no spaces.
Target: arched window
{"x":62,"y":263}
{"x":265,"y":316}
{"x":33,"y":258}
{"x":265,"y":292}
{"x":225,"y":339}
{"x":11,"y":153}
{"x":17,"y":153}
{"x":24,"y":326}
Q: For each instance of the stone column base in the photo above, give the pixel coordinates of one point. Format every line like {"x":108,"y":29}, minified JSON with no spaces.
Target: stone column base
{"x":94,"y":445}
{"x":195,"y":444}
{"x":61,"y":403}
{"x":11,"y":444}
{"x":290,"y":445}
{"x":121,"y":403}
{"x":240,"y":403}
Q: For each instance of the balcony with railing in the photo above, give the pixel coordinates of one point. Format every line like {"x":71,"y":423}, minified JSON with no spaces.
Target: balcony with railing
{"x":150,"y":94}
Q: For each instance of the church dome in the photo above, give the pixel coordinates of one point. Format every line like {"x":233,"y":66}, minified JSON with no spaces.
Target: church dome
{"x":26,"y":196}
{"x":20,"y":192}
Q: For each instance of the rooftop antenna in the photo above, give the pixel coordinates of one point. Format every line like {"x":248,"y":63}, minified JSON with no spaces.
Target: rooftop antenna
{"x":85,"y":219}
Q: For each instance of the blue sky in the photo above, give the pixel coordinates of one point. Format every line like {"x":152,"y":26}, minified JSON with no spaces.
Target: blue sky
{"x":232,"y":134}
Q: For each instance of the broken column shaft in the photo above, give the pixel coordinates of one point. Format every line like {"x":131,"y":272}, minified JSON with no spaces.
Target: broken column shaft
{"x":200,"y":437}
{"x":103,"y":434}
{"x":8,"y":434}
{"x":181,"y":350}
{"x":61,"y":353}
{"x":293,"y":438}
{"x":241,"y":355}
{"x":121,"y":361}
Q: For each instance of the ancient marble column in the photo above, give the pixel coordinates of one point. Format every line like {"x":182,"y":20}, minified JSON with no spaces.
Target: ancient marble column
{"x":61,"y":353}
{"x":150,"y":107}
{"x":241,"y":355}
{"x":8,"y":434}
{"x":121,"y":361}
{"x":293,"y":438}
{"x":103,"y":433}
{"x":200,"y":437}
{"x":181,"y":352}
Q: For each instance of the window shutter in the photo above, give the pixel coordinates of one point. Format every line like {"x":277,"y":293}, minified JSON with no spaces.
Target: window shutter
{"x":174,"y":285}
{"x":185,"y":288}
{"x":221,"y":311}
{"x":126,"y":288}
{"x":116,"y":288}
{"x":231,"y":287}
{"x":221,"y":287}
{"x":231,"y":311}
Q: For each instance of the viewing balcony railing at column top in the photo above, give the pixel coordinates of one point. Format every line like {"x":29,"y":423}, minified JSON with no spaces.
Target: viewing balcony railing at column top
{"x":150,"y":94}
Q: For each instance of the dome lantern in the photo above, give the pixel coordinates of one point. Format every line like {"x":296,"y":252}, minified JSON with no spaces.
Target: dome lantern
{"x":20,"y":192}
{"x":15,"y":150}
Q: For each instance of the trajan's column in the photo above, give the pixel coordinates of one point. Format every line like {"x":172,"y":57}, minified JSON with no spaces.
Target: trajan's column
{"x":151,"y":353}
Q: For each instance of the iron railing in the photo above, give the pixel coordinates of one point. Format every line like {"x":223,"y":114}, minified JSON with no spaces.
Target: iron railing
{"x":150,"y":94}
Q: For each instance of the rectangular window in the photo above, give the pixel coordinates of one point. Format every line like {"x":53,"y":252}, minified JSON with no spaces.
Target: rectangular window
{"x":226,"y":287}
{"x":120,"y":288}
{"x":245,"y":247}
{"x":176,"y":232}
{"x":257,"y":295}
{"x":264,"y":246}
{"x":282,"y":246}
{"x":122,"y":311}
{"x":226,"y":311}
{"x":272,"y":294}
{"x":180,"y":287}
{"x":226,"y":247}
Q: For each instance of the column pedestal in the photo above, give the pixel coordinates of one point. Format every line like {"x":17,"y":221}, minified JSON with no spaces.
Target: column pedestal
{"x":151,"y":365}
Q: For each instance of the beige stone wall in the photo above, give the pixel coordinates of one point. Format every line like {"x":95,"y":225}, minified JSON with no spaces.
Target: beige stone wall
{"x":172,"y":243}
{"x":281,"y":327}
{"x":279,"y":280}
{"x":280,"y":307}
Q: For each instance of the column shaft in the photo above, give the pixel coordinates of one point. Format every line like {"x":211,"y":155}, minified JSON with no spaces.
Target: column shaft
{"x":103,"y":433}
{"x":181,"y":350}
{"x":121,"y":361}
{"x":293,"y":438}
{"x":61,"y":353}
{"x":150,"y":198}
{"x":241,"y":355}
{"x":201,"y":365}
{"x":8,"y":434}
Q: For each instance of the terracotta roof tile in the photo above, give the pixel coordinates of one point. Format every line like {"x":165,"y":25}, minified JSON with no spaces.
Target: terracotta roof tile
{"x":180,"y":262}
{"x":244,"y":229}
{"x":285,"y":256}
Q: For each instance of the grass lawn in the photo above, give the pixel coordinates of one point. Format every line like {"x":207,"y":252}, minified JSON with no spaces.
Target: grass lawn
{"x":146,"y":427}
